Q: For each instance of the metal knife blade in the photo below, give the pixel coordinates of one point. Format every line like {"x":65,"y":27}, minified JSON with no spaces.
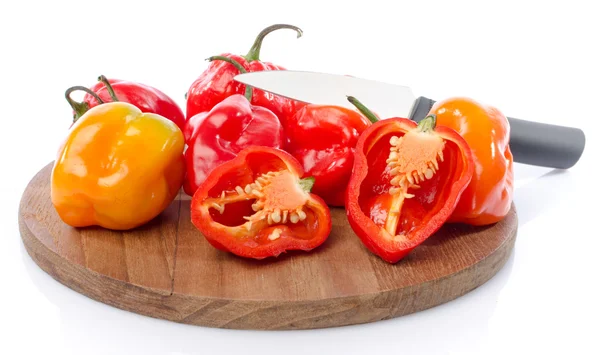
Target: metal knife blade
{"x":387,"y":100}
{"x":530,"y":142}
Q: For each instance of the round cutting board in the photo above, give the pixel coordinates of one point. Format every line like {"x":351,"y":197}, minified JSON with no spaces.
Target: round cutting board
{"x":166,"y":269}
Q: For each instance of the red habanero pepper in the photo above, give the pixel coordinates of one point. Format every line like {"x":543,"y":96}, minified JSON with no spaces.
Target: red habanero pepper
{"x":216,"y":82}
{"x":218,"y":135}
{"x":147,"y":98}
{"x":323,"y":138}
{"x":406,"y":181}
{"x":257,"y":206}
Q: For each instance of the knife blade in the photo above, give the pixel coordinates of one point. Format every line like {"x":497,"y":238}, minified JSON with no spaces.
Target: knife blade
{"x":531,"y":143}
{"x":388,"y":100}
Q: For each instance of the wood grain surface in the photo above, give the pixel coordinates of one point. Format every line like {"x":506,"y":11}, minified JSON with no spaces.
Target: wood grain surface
{"x":167,"y":270}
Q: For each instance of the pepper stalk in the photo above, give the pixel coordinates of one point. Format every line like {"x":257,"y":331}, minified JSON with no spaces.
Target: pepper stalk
{"x":307,"y":183}
{"x":80,"y":108}
{"x":238,"y":66}
{"x":109,"y":87}
{"x":254,"y":52}
{"x":363,"y":109}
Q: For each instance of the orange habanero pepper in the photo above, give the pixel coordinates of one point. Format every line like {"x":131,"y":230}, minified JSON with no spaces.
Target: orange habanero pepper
{"x":118,"y":168}
{"x":488,"y":197}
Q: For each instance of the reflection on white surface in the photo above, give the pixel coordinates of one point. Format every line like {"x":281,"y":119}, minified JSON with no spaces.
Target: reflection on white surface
{"x":534,"y":194}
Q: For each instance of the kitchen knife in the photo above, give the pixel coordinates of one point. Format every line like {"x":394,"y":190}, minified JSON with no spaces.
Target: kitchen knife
{"x":531,"y":143}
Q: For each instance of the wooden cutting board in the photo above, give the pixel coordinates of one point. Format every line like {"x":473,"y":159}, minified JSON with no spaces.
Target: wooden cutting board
{"x":167,"y":270}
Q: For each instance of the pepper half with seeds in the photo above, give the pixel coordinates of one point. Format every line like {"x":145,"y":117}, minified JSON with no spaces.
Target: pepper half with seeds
{"x":406,"y":181}
{"x":257,"y":206}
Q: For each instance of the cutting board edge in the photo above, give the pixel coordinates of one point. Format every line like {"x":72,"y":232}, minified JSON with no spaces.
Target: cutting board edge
{"x":66,"y":273}
{"x":252,"y":314}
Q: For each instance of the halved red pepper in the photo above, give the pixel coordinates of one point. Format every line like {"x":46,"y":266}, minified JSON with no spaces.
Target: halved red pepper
{"x":257,"y":206}
{"x":406,"y":181}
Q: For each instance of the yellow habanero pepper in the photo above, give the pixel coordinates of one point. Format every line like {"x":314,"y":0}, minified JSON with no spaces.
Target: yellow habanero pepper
{"x":118,"y":168}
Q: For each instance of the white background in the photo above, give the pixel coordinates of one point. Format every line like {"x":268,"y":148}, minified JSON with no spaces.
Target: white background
{"x":537,"y":61}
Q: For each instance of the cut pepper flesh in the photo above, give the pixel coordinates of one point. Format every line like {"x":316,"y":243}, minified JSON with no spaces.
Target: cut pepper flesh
{"x":256,"y":205}
{"x":407,"y":179}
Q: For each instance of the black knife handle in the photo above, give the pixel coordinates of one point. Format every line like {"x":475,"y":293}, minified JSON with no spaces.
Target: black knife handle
{"x":531,"y":143}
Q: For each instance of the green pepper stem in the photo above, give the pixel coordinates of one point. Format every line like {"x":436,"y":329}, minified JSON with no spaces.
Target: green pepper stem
{"x":238,"y":66}
{"x":307,"y":183}
{"x":254,"y":52}
{"x":80,"y":108}
{"x":109,"y":87}
{"x":363,"y":109}
{"x":427,"y":124}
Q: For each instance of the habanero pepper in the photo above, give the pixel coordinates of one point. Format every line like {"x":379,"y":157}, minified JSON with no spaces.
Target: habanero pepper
{"x":145,"y":97}
{"x":406,"y":181}
{"x":216,"y":82}
{"x":323,"y":139}
{"x":489,"y":196}
{"x":218,"y":135}
{"x":257,"y":206}
{"x":98,"y":177}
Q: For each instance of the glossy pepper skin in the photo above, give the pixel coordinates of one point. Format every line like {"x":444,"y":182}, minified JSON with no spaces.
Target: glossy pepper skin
{"x":118,"y":168}
{"x":216,"y":82}
{"x":257,"y":206}
{"x":145,"y":97}
{"x":488,"y":198}
{"x":218,"y":135}
{"x":323,"y":139}
{"x":406,"y":181}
